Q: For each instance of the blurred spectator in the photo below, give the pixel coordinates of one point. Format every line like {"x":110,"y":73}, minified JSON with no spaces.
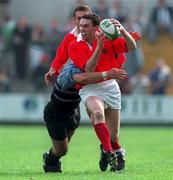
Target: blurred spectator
{"x":38,"y":42}
{"x":21,"y":38}
{"x":68,"y":27}
{"x":75,"y":3}
{"x":54,"y":37}
{"x":7,"y":31}
{"x":160,"y":77}
{"x":4,"y":83}
{"x":101,"y":9}
{"x":135,"y":59}
{"x":39,"y":72}
{"x":139,"y":83}
{"x":1,"y":49}
{"x":116,"y":11}
{"x":140,"y":16}
{"x":161,"y":19}
{"x":7,"y":59}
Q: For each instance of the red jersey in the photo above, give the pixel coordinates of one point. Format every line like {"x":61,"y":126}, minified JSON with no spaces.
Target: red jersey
{"x":80,"y":51}
{"x":121,"y":59}
{"x":62,"y":50}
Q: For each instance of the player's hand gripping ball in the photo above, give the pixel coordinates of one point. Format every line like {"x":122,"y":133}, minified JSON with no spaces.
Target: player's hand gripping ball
{"x":110,"y":30}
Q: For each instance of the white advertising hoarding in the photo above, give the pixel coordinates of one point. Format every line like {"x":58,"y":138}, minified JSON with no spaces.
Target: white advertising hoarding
{"x":135,"y":109}
{"x":22,"y":107}
{"x":147,"y":109}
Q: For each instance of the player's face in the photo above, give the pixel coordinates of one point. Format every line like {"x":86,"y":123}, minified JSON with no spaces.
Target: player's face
{"x":78,"y":16}
{"x":87,"y":30}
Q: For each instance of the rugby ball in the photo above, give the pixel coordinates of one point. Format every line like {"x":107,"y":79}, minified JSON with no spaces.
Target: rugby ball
{"x":112,"y":32}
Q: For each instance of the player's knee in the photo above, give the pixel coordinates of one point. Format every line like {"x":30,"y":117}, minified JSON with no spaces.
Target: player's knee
{"x":98,"y":116}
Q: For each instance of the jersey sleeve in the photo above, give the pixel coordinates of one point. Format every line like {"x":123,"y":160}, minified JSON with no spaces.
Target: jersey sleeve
{"x":65,"y":78}
{"x":119,"y":45}
{"x":62,"y":53}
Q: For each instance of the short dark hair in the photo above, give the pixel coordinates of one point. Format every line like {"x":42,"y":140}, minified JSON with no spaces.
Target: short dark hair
{"x":93,"y":17}
{"x":81,"y":8}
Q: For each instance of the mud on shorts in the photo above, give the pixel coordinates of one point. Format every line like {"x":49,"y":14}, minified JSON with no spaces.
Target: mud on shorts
{"x":59,"y":124}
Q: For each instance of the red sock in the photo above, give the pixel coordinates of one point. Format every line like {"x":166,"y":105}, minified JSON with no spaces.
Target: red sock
{"x":103,"y":134}
{"x":115,"y":145}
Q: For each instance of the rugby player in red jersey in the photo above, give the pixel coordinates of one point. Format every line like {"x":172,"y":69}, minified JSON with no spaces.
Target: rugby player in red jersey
{"x":60,"y":144}
{"x":61,"y":114}
{"x":103,"y":99}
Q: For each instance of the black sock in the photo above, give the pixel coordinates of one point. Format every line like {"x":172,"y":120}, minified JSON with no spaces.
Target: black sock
{"x":52,"y":158}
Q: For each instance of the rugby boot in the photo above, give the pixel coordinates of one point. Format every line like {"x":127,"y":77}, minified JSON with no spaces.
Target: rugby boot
{"x":103,"y":163}
{"x":51,"y":165}
{"x":121,"y":159}
{"x":112,"y":160}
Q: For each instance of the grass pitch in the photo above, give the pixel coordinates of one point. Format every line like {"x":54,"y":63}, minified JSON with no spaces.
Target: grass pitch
{"x":149,"y":154}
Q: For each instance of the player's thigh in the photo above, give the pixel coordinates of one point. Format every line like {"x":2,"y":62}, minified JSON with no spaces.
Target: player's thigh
{"x":55,"y":123}
{"x":73,"y":122}
{"x":95,"y":109}
{"x":58,"y":124}
{"x":70,"y":134}
{"x":93,"y":104}
{"x":112,"y":117}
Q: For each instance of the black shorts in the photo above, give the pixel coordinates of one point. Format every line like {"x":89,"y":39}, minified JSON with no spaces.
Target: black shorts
{"x":59,"y":122}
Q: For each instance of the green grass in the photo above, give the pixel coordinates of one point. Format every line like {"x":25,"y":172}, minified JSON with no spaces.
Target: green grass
{"x":149,"y":154}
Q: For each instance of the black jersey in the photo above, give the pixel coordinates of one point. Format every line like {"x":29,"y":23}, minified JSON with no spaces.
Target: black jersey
{"x":62,"y":113}
{"x":64,"y":101}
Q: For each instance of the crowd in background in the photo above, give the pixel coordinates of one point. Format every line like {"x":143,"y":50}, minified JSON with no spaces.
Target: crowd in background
{"x":26,"y":50}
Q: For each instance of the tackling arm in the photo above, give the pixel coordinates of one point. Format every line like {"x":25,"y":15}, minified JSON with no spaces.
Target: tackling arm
{"x":71,"y":75}
{"x":94,"y":77}
{"x":60,"y":58}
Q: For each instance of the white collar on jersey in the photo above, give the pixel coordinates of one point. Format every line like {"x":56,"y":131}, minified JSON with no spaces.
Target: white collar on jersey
{"x":79,"y":37}
{"x":74,"y":32}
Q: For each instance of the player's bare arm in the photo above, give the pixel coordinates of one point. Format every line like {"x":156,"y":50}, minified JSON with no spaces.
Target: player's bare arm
{"x":130,"y":41}
{"x":49,"y":75}
{"x":94,"y":77}
{"x":92,"y":62}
